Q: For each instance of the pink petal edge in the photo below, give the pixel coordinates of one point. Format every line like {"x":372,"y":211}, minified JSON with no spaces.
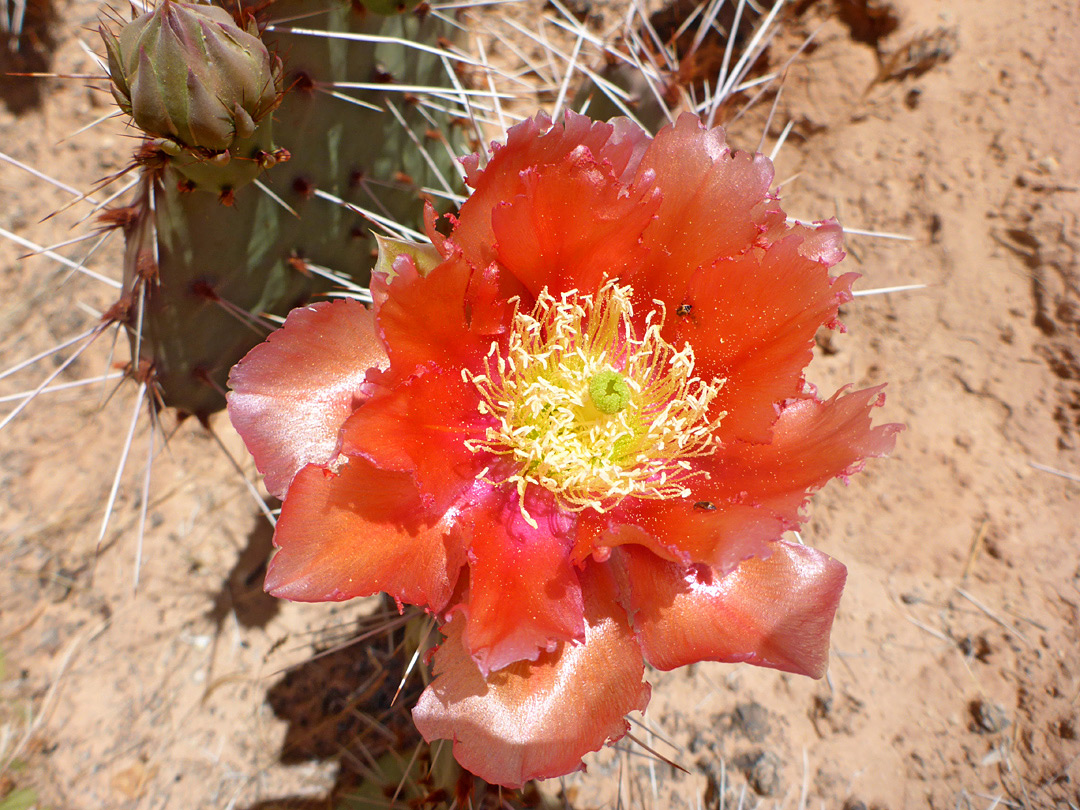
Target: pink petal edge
{"x":536,"y":720}
{"x":291,"y":394}
{"x":774,"y":612}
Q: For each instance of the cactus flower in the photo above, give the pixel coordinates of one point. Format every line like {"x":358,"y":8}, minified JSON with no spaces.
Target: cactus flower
{"x":577,"y":439}
{"x":188,"y":74}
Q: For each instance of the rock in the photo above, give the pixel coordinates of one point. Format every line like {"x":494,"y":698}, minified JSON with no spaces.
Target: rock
{"x":752,"y":719}
{"x":987,"y":718}
{"x":762,"y":769}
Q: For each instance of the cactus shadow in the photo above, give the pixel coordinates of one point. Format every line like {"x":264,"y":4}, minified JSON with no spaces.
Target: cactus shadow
{"x":29,"y":51}
{"x":242,"y":593}
{"x":338,"y":709}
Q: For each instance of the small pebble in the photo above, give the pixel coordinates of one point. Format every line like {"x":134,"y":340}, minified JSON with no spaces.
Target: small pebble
{"x":762,"y":769}
{"x":988,"y":718}
{"x":752,"y":720}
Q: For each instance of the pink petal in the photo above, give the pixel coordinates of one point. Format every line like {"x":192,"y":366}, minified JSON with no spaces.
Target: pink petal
{"x":752,"y":321}
{"x":775,"y":612}
{"x":536,"y":720}
{"x":572,"y":224}
{"x":421,"y":426}
{"x":524,"y":596}
{"x":292,"y":393}
{"x":360,"y":532}
{"x":715,"y":203}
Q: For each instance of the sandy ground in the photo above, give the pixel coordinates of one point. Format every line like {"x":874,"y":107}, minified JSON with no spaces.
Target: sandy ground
{"x":955,"y":675}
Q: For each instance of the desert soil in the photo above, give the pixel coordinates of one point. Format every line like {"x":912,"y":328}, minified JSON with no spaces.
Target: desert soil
{"x":955,"y":675}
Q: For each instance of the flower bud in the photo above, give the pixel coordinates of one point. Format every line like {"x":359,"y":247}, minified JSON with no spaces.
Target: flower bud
{"x":187,"y":72}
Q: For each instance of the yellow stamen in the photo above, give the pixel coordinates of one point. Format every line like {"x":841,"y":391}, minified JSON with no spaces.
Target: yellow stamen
{"x":588,"y":410}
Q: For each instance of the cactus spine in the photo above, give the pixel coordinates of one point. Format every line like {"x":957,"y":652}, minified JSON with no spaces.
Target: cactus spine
{"x":263,"y":142}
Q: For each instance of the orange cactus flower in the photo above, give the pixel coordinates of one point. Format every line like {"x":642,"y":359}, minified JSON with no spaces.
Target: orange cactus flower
{"x":575,"y":431}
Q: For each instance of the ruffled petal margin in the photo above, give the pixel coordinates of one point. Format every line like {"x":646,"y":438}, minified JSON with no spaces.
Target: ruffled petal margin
{"x":716,"y":203}
{"x":754,"y":492}
{"x":524,"y":596}
{"x":572,"y":225}
{"x":534,"y":144}
{"x":751,"y":320}
{"x":421,"y":426}
{"x":291,"y":394}
{"x":813,"y":442}
{"x":536,"y":720}
{"x":775,"y":612}
{"x":359,"y":532}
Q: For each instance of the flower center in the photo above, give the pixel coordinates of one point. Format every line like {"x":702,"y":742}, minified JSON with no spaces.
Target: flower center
{"x":609,"y":391}
{"x":590,"y":411}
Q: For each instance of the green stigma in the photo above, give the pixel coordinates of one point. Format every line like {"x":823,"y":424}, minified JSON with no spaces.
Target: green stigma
{"x":609,"y":391}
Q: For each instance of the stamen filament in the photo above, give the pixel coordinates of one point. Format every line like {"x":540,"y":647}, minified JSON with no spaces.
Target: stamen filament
{"x":590,"y":411}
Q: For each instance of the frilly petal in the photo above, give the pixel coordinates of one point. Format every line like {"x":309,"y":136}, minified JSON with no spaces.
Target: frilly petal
{"x":775,"y":612}
{"x":421,"y":426}
{"x":536,"y":720}
{"x":695,"y":529}
{"x":360,"y":532}
{"x":715,"y":203}
{"x":754,"y":492}
{"x":524,"y":597}
{"x":572,"y":224}
{"x":813,"y":442}
{"x":534,"y":144}
{"x":427,"y":320}
{"x":751,"y":320}
{"x":292,"y":393}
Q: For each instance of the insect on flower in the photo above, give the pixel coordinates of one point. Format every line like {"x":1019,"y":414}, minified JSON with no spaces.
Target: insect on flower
{"x":526,"y":437}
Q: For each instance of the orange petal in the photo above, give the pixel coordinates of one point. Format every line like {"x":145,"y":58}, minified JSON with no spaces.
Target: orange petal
{"x":425,"y":320}
{"x":752,"y":320}
{"x":360,"y":532}
{"x":715,"y":203}
{"x":572,"y":225}
{"x":292,"y":393}
{"x":813,"y":442}
{"x":421,"y":426}
{"x":754,"y":492}
{"x":684,"y":530}
{"x":524,"y":596}
{"x":533,"y":144}
{"x":536,"y":720}
{"x":775,"y":612}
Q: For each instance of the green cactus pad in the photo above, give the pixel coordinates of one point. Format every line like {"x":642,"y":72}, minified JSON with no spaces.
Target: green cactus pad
{"x":260,"y":255}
